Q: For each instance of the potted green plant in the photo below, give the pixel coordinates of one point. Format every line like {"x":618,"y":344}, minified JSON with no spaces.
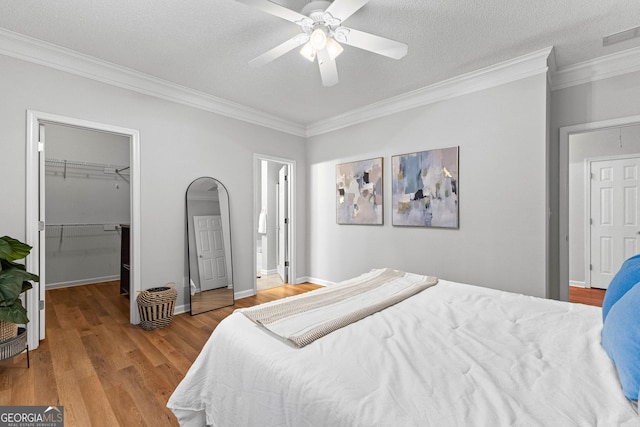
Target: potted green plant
{"x":14,"y":280}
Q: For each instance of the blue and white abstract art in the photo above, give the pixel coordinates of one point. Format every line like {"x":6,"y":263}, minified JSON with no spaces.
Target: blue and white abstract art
{"x":425,"y":188}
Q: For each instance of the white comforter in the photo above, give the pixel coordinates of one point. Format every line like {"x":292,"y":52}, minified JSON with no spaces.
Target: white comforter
{"x":452,"y":355}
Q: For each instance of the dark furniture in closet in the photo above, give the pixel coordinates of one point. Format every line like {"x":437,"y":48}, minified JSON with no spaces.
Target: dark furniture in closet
{"x":124,"y":259}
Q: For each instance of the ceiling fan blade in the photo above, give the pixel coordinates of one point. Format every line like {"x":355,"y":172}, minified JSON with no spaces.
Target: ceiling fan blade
{"x":328,"y":69}
{"x":342,"y":9}
{"x":275,"y":9}
{"x":372,"y":43}
{"x":279,"y":50}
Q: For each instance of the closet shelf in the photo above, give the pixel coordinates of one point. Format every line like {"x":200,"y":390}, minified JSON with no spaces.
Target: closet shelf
{"x":101,"y":224}
{"x":84,"y":168}
{"x":81,"y":230}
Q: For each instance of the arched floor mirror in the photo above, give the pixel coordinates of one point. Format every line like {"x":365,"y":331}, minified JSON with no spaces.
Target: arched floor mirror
{"x":209,"y":245}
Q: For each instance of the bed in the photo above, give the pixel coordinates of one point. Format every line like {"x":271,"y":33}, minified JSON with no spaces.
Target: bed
{"x":452,"y":354}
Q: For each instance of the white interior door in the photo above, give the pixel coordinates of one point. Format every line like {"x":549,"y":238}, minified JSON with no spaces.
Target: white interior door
{"x":212,"y":259}
{"x":614,"y":208}
{"x":283,"y":224}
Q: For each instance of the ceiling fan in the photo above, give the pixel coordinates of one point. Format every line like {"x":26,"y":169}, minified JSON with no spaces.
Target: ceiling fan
{"x":322,"y":32}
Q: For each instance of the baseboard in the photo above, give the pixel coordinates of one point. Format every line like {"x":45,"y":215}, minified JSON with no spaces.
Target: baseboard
{"x":183,"y":308}
{"x":244,"y":294}
{"x":316,"y":281}
{"x":265,"y":272}
{"x":577,"y":284}
{"x":81,"y":282}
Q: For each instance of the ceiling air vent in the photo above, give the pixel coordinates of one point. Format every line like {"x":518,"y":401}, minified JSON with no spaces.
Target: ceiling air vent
{"x":614,"y":38}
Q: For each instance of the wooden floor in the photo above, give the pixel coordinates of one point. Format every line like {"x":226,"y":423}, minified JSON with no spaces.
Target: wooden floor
{"x":105,"y":371}
{"x":589,"y":296}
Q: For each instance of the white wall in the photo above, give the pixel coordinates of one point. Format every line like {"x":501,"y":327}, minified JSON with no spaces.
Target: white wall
{"x":178,"y":144}
{"x":87,"y":254}
{"x":584,"y":146}
{"x":501,"y":243}
{"x":605,"y":99}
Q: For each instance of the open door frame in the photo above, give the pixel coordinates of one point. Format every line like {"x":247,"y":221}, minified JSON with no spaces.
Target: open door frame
{"x":36,"y":327}
{"x":564,"y":137}
{"x":257,"y":158}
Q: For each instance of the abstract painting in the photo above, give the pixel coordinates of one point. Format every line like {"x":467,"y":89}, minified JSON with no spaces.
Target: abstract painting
{"x":425,"y":188}
{"x":359,"y":192}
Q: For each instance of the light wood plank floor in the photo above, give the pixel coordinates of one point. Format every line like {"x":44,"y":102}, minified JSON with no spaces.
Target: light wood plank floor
{"x":105,"y":371}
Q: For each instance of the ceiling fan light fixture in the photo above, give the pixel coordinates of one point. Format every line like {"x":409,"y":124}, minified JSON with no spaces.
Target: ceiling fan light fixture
{"x":318,"y":39}
{"x":330,"y":20}
{"x":323,"y":35}
{"x":340,"y":34}
{"x":333,"y":48}
{"x":305,"y":23}
{"x":308,"y":52}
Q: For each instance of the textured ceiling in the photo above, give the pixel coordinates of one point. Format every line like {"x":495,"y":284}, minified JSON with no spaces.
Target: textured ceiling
{"x":206,"y":44}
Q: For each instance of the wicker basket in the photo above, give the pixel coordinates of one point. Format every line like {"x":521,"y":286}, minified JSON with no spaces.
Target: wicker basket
{"x":8,"y":331}
{"x":15,"y":345}
{"x":156,"y":306}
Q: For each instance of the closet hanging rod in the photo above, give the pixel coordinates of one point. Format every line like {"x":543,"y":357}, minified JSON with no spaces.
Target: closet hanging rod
{"x":116,"y":224}
{"x":72,"y":163}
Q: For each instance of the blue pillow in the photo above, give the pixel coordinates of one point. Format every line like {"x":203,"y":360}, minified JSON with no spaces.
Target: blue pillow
{"x":625,"y":278}
{"x":621,"y":340}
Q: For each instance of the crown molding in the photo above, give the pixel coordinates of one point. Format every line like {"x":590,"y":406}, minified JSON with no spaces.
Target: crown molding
{"x":38,"y":52}
{"x":552,"y":66}
{"x":604,"y":67}
{"x":542,"y":61}
{"x":504,"y":72}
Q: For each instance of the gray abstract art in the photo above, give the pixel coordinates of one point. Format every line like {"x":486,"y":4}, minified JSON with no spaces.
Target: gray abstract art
{"x":359,"y":192}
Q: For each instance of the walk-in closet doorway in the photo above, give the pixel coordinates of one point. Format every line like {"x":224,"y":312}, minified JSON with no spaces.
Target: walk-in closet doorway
{"x":83,"y":209}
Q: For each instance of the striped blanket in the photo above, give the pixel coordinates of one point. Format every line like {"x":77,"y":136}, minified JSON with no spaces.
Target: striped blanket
{"x":303,"y":319}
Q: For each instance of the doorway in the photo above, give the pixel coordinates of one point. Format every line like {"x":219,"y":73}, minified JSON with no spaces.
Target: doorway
{"x":67,"y":218}
{"x":274,"y":207}
{"x":580,"y":146}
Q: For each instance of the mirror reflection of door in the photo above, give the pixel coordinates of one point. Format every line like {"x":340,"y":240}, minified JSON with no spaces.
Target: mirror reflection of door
{"x":210,"y":251}
{"x":209,"y":245}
